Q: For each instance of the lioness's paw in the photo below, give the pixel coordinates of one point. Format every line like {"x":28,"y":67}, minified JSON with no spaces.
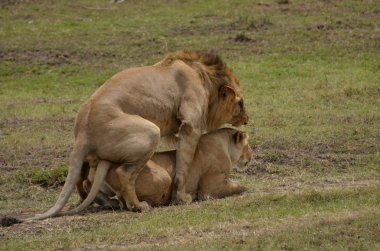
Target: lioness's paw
{"x":184,"y":198}
{"x":243,"y":189}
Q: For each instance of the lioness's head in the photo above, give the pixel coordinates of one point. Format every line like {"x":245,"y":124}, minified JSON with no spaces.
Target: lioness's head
{"x":240,"y":151}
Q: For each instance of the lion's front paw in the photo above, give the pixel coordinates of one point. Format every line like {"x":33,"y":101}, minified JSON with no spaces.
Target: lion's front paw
{"x":142,"y":206}
{"x":184,"y":198}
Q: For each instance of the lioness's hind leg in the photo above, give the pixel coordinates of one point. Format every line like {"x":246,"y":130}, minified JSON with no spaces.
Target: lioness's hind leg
{"x":218,"y":186}
{"x":233,"y":188}
{"x":103,"y":199}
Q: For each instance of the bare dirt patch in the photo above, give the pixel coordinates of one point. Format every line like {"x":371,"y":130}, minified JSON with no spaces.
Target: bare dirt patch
{"x":51,"y":57}
{"x":35,"y":157}
{"x":266,"y":160}
{"x":38,"y":56}
{"x":80,"y":221}
{"x":36,"y":101}
{"x":9,"y":3}
{"x":296,"y":186}
{"x":41,"y":155}
{"x":313,"y":8}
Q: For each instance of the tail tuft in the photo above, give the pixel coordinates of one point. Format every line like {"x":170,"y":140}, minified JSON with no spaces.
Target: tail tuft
{"x":9,"y":221}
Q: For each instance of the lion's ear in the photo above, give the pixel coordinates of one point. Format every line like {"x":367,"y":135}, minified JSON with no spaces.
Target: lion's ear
{"x":241,"y":137}
{"x":226,"y":91}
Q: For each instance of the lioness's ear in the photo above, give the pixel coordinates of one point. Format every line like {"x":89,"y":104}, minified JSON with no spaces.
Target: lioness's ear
{"x":226,"y":91}
{"x":241,"y":138}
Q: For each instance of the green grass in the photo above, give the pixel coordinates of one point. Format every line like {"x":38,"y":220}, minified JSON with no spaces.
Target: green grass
{"x":42,"y":177}
{"x":310,"y":76}
{"x":250,"y":217}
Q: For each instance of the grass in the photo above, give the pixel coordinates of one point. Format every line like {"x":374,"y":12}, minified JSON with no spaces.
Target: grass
{"x":249,"y":217}
{"x":310,"y":76}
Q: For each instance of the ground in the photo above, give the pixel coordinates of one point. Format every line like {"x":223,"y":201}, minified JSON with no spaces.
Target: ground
{"x":310,"y":76}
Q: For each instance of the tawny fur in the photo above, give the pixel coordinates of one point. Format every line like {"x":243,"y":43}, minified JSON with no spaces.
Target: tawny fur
{"x":214,"y":158}
{"x":187,"y":93}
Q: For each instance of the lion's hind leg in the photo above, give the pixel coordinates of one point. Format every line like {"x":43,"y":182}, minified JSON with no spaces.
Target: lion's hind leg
{"x":127,"y":176}
{"x":130,"y":140}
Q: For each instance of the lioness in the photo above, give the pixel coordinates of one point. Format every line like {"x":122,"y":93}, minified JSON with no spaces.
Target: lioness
{"x":187,"y":93}
{"x":216,"y":154}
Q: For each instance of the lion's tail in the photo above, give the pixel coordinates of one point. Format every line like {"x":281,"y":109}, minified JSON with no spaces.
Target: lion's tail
{"x":100,"y":175}
{"x":76,"y":161}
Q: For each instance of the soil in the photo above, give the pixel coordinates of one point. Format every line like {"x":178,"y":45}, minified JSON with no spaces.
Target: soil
{"x":51,"y":57}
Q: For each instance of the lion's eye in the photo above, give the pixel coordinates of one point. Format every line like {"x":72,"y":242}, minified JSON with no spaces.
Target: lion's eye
{"x":241,"y":104}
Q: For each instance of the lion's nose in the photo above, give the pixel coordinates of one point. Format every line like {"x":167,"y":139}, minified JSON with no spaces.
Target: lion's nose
{"x":246,"y":120}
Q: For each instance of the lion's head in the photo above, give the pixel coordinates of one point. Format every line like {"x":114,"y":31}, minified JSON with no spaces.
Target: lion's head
{"x":231,"y":107}
{"x":226,"y":103}
{"x":228,"y":107}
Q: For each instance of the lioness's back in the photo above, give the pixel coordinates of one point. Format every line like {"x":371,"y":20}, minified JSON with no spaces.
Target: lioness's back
{"x":166,"y":160}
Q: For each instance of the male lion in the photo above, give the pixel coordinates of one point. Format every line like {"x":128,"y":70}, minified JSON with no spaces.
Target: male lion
{"x":187,"y":93}
{"x":216,"y":154}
